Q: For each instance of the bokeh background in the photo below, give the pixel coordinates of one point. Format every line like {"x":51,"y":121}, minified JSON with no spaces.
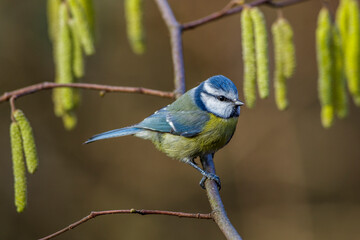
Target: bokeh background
{"x":283,"y":175}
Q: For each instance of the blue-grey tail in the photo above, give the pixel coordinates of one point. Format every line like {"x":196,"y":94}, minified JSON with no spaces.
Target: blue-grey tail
{"x":114,"y":133}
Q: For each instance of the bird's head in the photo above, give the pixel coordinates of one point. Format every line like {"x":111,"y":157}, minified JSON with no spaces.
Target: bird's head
{"x":218,"y":95}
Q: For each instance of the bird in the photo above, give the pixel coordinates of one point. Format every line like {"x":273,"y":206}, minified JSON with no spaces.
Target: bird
{"x":198,"y":123}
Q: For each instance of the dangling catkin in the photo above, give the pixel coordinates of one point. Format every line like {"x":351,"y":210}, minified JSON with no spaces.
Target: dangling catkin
{"x":77,"y":56}
{"x":324,"y":48}
{"x":134,"y":22}
{"x":248,"y":49}
{"x":279,"y":78}
{"x":53,"y":16}
{"x":82,"y":26}
{"x":64,"y":61}
{"x":352,"y":51}
{"x":88,"y":6}
{"x":69,"y":119}
{"x":18,"y":167}
{"x":339,"y":87}
{"x":28,"y":141}
{"x":262,"y":65}
{"x":342,"y":19}
{"x":56,"y":97}
{"x":289,"y":61}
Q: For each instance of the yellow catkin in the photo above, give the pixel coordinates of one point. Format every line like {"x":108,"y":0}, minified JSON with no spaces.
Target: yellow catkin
{"x":327,"y":116}
{"x":324,"y":48}
{"x":68,"y":116}
{"x":289,"y":61}
{"x":83,"y":26}
{"x":52,"y":15}
{"x":28,"y":141}
{"x":69,"y":120}
{"x":248,"y":52}
{"x":18,"y":167}
{"x":135,"y":27}
{"x":77,"y":56}
{"x":67,"y":98}
{"x":64,"y":61}
{"x":339,"y":88}
{"x":352,"y":51}
{"x":279,"y":78}
{"x":262,"y":61}
{"x":58,"y":107}
{"x":88,"y":6}
{"x":342,"y":19}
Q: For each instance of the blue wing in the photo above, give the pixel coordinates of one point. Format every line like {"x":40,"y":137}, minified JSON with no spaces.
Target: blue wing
{"x":184,"y":123}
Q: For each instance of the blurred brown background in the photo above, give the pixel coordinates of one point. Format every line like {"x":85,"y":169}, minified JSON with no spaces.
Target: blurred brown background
{"x":283,"y":175}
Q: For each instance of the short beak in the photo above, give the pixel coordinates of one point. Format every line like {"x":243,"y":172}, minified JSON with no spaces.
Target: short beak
{"x":238,"y":102}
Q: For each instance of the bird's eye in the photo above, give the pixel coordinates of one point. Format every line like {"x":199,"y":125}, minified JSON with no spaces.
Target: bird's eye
{"x":221,"y":98}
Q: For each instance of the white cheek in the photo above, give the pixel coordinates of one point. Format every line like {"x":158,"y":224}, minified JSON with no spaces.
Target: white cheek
{"x":221,"y":109}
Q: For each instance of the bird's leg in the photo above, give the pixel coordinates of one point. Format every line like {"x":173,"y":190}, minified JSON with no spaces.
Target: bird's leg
{"x":193,"y":161}
{"x":206,"y":175}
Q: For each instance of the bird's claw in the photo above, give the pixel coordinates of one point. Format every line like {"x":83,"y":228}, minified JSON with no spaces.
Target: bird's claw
{"x":210,"y":176}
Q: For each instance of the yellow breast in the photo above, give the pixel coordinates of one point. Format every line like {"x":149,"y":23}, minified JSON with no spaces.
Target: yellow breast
{"x":215,"y":135}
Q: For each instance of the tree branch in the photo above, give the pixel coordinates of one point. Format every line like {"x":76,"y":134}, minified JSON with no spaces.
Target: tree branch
{"x":176,"y":45}
{"x":175,"y":28}
{"x":227,"y":12}
{"x":218,"y":210}
{"x":105,"y":88}
{"x":130,"y":211}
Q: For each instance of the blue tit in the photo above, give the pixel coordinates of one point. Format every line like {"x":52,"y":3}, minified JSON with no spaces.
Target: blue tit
{"x":200,"y":122}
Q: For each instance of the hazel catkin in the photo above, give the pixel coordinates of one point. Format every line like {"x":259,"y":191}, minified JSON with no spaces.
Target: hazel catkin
{"x":134,"y":25}
{"x":289,"y":60}
{"x":342,"y":19}
{"x":18,"y":167}
{"x":339,"y":85}
{"x":352,"y":50}
{"x":83,"y":26}
{"x":249,"y":59}
{"x":69,"y":119}
{"x":77,"y":56}
{"x":279,"y":78}
{"x":261,"y":50}
{"x":64,"y":72}
{"x":324,"y":48}
{"x":88,"y":6}
{"x":52,"y":15}
{"x":28,"y":141}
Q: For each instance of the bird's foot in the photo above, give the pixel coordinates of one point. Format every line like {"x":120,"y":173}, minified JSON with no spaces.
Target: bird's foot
{"x":206,"y":175}
{"x":210,"y":176}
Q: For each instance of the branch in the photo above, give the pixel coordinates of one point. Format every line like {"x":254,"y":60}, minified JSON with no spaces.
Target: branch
{"x":175,"y":28}
{"x":130,"y":211}
{"x":218,"y":211}
{"x":105,"y":88}
{"x":227,"y":12}
{"x":176,"y":45}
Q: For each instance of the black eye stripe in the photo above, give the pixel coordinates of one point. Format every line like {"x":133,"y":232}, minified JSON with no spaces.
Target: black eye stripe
{"x":220,"y":98}
{"x":223,"y":99}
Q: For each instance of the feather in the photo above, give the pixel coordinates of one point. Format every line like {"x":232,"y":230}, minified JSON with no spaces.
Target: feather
{"x":114,"y":133}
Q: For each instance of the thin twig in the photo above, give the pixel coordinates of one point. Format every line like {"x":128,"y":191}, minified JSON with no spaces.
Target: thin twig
{"x":129,"y":211}
{"x":218,"y":210}
{"x":105,"y":88}
{"x":175,"y":30}
{"x":227,"y":12}
{"x":13,"y":108}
